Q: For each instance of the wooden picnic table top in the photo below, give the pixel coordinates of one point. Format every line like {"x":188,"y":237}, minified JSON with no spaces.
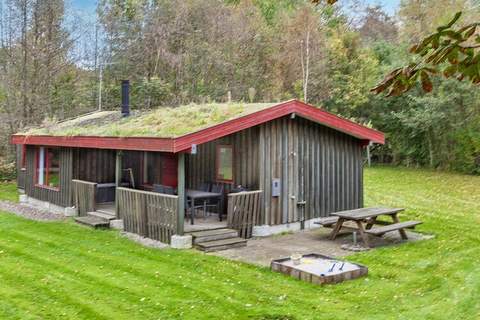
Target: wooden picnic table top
{"x":365,"y":213}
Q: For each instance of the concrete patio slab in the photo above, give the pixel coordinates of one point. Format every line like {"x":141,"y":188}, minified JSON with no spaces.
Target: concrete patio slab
{"x":261,"y":251}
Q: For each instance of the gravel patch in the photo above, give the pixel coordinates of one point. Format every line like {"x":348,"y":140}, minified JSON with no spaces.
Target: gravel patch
{"x":145,"y":241}
{"x":30,"y":212}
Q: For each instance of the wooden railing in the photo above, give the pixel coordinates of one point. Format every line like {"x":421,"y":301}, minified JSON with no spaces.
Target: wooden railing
{"x":243,"y":210}
{"x":84,"y":193}
{"x":149,"y":214}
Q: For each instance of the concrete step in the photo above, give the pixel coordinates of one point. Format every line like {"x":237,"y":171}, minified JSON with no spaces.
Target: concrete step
{"x":102,"y":215}
{"x":93,"y":222}
{"x":223,"y":244}
{"x":212,"y":235}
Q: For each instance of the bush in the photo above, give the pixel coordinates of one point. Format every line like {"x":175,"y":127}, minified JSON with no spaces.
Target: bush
{"x":7,"y":170}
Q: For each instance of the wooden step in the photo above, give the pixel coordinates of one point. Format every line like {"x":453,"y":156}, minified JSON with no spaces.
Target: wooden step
{"x":212,"y":235}
{"x":93,"y":222}
{"x":102,"y":215}
{"x":392,"y":227}
{"x":223,"y":244}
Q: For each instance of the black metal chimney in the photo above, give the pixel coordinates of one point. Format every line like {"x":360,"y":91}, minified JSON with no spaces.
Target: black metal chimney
{"x":125,"y":98}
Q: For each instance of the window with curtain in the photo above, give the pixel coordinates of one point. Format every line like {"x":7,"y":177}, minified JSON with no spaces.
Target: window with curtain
{"x":48,"y":167}
{"x":225,"y":163}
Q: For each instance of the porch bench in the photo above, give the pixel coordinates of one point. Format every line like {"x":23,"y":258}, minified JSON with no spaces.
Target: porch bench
{"x":379,"y":231}
{"x":327,"y":222}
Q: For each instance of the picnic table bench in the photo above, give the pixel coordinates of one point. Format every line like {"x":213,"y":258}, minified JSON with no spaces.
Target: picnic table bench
{"x":365,"y":219}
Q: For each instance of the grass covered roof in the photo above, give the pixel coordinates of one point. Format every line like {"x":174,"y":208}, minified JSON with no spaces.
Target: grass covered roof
{"x":164,"y":122}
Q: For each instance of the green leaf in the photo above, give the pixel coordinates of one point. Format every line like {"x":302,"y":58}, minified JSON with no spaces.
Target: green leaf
{"x":451,"y":23}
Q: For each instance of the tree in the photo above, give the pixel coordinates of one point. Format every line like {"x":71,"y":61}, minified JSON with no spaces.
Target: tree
{"x":451,"y":51}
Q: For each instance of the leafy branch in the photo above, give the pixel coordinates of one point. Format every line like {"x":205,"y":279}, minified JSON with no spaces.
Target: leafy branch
{"x":449,"y":51}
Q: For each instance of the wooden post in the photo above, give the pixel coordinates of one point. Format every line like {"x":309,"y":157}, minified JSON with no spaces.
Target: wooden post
{"x":181,"y":193}
{"x":369,"y":159}
{"x":118,"y":178}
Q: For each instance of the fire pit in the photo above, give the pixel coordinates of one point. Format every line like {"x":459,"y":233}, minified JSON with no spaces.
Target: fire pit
{"x":319,"y":269}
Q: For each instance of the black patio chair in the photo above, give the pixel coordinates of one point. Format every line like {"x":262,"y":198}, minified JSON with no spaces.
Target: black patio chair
{"x":205,"y":186}
{"x":168,"y":190}
{"x":217,"y":203}
{"x":159,"y":188}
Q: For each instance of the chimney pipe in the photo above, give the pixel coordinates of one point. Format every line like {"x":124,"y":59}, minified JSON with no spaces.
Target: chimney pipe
{"x":125,"y":98}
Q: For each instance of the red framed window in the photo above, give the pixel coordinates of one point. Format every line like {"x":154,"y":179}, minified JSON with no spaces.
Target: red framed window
{"x":224,"y":165}
{"x":47,"y":169}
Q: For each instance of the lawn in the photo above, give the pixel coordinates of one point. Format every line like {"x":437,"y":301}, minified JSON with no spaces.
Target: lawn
{"x":61,"y":270}
{"x":8,"y":192}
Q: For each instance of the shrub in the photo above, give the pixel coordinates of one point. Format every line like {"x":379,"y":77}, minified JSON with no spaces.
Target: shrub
{"x":7,"y":170}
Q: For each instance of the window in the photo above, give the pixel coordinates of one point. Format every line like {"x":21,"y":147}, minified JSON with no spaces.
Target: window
{"x":48,"y":167}
{"x":225,"y":163}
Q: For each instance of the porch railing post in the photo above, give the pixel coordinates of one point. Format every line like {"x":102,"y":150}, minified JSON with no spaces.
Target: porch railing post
{"x":181,"y":193}
{"x":118,"y":178}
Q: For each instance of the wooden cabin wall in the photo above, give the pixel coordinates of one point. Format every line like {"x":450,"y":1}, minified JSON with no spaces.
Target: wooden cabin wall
{"x":20,"y":170}
{"x":94,"y":165}
{"x":61,"y":197}
{"x":200,"y":167}
{"x":133,"y":160}
{"x":155,"y":160}
{"x":314,"y":163}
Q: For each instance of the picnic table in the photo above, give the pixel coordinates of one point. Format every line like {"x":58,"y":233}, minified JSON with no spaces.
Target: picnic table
{"x":366,"y":218}
{"x":193,"y":195}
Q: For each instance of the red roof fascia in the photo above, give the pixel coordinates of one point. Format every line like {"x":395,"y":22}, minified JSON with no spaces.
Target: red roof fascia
{"x":338,"y":123}
{"x":304,"y":110}
{"x":114,"y":143}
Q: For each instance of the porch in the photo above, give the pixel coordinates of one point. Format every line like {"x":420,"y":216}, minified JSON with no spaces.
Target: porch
{"x":159,"y":216}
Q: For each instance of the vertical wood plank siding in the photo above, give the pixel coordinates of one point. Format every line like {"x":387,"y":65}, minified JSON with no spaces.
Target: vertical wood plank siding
{"x":99,"y":165}
{"x":61,"y":197}
{"x":152,"y":215}
{"x":94,"y":165}
{"x":200,"y":167}
{"x":20,"y":172}
{"x":315,"y":164}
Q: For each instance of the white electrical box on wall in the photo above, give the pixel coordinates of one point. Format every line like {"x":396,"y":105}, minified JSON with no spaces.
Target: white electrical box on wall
{"x":276,"y":187}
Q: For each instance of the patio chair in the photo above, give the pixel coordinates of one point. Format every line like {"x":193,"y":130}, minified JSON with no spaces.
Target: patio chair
{"x":188,"y":207}
{"x":168,"y":190}
{"x":216,"y":188}
{"x":159,"y":188}
{"x":205,"y":186}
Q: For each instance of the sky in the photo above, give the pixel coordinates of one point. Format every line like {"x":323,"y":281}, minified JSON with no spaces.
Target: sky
{"x":88,"y":6}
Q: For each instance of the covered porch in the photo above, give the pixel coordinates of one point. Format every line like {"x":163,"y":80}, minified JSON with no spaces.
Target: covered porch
{"x":159,"y":194}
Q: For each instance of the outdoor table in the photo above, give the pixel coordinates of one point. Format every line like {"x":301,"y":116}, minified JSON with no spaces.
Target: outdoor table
{"x":193,"y":195}
{"x":367,"y":216}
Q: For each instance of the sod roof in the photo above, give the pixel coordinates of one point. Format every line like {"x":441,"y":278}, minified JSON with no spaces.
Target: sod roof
{"x":164,"y":122}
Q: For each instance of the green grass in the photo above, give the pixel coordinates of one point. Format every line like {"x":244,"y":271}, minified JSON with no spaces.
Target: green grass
{"x":8,"y":192}
{"x":61,"y":270}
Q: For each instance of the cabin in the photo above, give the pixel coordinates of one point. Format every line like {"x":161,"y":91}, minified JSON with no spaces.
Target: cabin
{"x":268,"y":167}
